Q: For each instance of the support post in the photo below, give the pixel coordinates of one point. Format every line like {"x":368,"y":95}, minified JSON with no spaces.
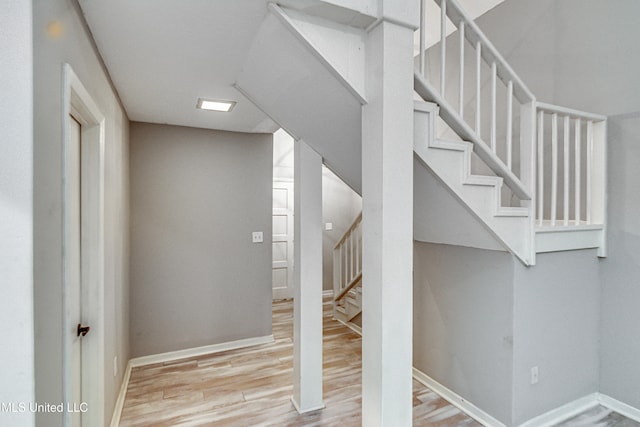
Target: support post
{"x":387,"y":189}
{"x":307,"y":303}
{"x":528,"y":167}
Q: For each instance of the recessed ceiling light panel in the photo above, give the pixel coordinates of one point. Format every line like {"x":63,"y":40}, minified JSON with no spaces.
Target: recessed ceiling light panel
{"x":213,"y":105}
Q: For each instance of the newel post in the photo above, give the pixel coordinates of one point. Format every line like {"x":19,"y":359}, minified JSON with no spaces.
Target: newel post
{"x":528,"y":165}
{"x":307,"y":301}
{"x":387,"y":213}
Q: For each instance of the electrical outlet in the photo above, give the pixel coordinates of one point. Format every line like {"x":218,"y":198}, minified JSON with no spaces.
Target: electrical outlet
{"x":115,"y":366}
{"x":534,"y":375}
{"x":257,"y":237}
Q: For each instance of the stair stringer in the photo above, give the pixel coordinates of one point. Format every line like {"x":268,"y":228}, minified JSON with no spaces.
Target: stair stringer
{"x":302,"y":85}
{"x":340,"y":47}
{"x":450,"y":163}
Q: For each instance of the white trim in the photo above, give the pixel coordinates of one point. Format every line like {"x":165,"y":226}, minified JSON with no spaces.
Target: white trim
{"x":459,"y":402}
{"x":578,"y":406}
{"x":550,"y":108}
{"x":327,"y":293}
{"x":620,"y":407}
{"x":547,"y":419}
{"x":393,"y":21}
{"x":199,"y":351}
{"x":117,"y":409}
{"x":305,"y":411}
{"x":564,"y":412}
{"x":288,"y":23}
{"x":176,"y":355}
{"x":78,"y":102}
{"x":281,"y":179}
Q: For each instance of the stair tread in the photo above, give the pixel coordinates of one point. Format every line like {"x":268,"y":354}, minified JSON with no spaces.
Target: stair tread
{"x":484,"y":180}
{"x":512,"y":211}
{"x":444,"y":144}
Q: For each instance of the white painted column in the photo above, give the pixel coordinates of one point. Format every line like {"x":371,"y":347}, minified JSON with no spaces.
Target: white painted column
{"x":307,"y":303}
{"x":16,"y":213}
{"x":387,"y":176}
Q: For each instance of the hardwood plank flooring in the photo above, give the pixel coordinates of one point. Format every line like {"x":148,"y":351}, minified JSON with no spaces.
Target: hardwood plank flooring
{"x":253,"y":386}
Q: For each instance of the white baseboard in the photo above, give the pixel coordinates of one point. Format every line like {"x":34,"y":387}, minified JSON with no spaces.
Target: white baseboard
{"x":176,"y":355}
{"x":547,"y":419}
{"x":199,"y":351}
{"x":305,"y":411}
{"x":117,"y":410}
{"x":459,"y":402}
{"x":620,"y":407}
{"x":578,"y":406}
{"x":563,"y":412}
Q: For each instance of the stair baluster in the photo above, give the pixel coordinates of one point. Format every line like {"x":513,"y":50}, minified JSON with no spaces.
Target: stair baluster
{"x":347,"y":273}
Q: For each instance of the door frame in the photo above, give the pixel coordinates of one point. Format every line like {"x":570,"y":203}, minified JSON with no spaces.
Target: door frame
{"x":78,"y":103}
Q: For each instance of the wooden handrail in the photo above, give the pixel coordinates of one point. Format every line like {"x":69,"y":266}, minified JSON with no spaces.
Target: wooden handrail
{"x":350,"y":286}
{"x":353,"y":225}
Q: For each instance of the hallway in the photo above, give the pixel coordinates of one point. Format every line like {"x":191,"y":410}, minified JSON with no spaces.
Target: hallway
{"x":252,"y":386}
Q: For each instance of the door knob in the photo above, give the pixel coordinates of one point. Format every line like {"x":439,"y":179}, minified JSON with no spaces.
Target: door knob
{"x":83,"y":330}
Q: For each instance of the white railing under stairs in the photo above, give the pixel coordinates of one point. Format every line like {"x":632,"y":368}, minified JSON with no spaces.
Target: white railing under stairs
{"x":551,"y":159}
{"x":571,"y":179}
{"x":347,"y":273}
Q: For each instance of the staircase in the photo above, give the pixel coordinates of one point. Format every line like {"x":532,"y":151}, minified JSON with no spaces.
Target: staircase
{"x":514,"y":174}
{"x":554,"y":188}
{"x":530,"y":173}
{"x":347,"y":275}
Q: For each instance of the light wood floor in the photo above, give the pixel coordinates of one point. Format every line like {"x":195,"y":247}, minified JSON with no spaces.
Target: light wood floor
{"x":252,"y":387}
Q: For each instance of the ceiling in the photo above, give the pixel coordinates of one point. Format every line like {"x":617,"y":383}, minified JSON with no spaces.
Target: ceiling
{"x":163,"y":55}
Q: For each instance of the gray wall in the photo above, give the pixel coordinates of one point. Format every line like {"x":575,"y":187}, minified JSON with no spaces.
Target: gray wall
{"x":556,"y":328}
{"x":463,"y":322}
{"x":592,"y":58}
{"x":620,"y":339}
{"x":196,"y":277}
{"x":16,"y":209}
{"x":482,"y":320}
{"x":73,"y":45}
{"x":602,"y":47}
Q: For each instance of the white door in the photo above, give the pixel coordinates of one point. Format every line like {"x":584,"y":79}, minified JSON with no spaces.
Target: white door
{"x":84,"y":252}
{"x":282,"y":272}
{"x":76,"y":272}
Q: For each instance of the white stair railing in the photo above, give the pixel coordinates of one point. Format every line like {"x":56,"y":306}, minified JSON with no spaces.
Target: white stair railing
{"x":562,"y":164}
{"x":490,"y":121}
{"x":347,"y":271}
{"x":571,"y":156}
